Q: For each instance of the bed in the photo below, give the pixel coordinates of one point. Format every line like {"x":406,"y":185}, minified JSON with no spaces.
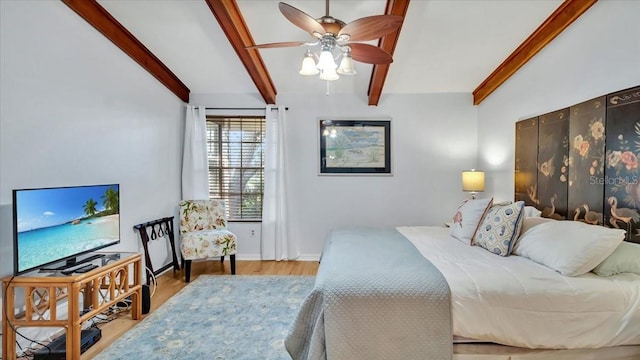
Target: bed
{"x":518,"y":302}
{"x":521,"y":308}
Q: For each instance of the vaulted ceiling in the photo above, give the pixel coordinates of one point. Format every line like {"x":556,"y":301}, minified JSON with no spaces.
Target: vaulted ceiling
{"x":443,"y":46}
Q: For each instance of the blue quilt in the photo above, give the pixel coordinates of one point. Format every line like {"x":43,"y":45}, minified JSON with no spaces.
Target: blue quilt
{"x":375,"y":297}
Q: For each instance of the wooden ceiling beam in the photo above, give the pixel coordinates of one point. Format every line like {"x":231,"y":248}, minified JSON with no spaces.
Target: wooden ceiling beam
{"x":388,"y":44}
{"x":102,"y":21}
{"x":561,"y":18}
{"x":232,"y":23}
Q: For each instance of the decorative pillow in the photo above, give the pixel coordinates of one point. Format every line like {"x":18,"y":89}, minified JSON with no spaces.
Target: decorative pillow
{"x":467,"y":218}
{"x":624,"y":259}
{"x":531,"y":212}
{"x":500,"y":228}
{"x":571,"y":248}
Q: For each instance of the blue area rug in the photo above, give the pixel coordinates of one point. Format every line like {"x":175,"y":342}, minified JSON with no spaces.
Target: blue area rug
{"x":218,"y":317}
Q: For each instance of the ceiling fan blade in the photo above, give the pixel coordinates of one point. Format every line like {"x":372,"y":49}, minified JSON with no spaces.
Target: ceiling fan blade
{"x":301,"y":19}
{"x":370,"y":54}
{"x":277,"y":45}
{"x":371,"y":27}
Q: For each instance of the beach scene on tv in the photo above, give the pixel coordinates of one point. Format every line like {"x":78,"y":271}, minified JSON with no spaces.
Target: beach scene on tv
{"x":60,"y":222}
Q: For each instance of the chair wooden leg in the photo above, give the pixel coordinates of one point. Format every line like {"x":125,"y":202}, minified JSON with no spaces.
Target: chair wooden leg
{"x":187,"y":271}
{"x":233,"y":264}
{"x":222,"y":259}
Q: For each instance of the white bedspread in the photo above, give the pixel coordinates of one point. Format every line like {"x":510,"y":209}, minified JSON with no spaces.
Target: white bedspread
{"x":515,"y":301}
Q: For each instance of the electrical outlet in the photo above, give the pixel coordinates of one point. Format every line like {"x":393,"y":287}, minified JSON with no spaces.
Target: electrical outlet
{"x":253,"y":233}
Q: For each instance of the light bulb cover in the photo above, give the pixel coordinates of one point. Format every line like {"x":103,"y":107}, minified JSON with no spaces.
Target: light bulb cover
{"x":326,"y":61}
{"x":329,"y":75}
{"x":308,"y":65}
{"x":346,"y":66}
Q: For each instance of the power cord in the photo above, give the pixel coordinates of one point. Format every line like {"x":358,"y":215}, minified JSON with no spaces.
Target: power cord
{"x":29,"y":352}
{"x":15,"y":330}
{"x":154,"y":282}
{"x":112,"y":313}
{"x":107,"y":316}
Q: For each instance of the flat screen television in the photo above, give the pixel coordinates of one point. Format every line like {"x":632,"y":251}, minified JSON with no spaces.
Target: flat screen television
{"x":57,"y":225}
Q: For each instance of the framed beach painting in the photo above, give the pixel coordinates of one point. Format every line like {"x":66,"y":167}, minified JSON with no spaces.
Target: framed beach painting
{"x":355,"y":147}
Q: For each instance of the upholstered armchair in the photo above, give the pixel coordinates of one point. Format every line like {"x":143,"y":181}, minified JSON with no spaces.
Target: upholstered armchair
{"x":204,"y":234}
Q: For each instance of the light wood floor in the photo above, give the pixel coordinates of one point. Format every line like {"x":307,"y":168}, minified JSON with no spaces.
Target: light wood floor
{"x":170,"y":283}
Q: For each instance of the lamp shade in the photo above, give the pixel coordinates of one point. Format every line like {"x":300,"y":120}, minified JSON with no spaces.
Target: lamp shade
{"x":308,"y":65}
{"x":346,"y":65}
{"x":329,"y":75}
{"x":326,"y":62}
{"x":473,"y":180}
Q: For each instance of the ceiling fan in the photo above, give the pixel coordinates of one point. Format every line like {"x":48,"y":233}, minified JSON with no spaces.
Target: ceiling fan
{"x":332,"y":33}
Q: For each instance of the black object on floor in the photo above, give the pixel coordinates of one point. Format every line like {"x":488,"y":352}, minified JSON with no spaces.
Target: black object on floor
{"x":58,"y":347}
{"x":146,"y":299}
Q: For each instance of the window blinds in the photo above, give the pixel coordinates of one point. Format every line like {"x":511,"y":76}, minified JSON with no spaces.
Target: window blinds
{"x":235,"y":153}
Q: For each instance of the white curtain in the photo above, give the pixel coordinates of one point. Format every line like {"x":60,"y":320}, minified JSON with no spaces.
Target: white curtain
{"x":276,"y":243}
{"x":195,"y":172}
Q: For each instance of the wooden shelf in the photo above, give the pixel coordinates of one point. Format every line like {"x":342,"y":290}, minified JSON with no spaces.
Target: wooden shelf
{"x":117,"y":277}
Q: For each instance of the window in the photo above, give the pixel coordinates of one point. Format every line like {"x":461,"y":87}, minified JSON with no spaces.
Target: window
{"x":235,"y":153}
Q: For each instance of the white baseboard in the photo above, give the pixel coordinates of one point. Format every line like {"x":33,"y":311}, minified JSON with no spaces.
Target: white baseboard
{"x":256,"y":257}
{"x":248,"y":257}
{"x":309,"y":257}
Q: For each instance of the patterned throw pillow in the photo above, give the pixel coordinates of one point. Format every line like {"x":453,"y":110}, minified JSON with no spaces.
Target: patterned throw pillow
{"x":500,"y":228}
{"x":467,"y":218}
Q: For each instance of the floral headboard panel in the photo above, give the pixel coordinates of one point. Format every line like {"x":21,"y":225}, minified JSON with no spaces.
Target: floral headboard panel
{"x":581,"y":163}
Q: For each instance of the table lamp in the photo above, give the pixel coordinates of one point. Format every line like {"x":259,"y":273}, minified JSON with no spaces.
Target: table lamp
{"x":473,"y":181}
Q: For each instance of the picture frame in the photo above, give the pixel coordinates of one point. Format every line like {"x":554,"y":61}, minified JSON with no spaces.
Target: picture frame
{"x":355,"y":147}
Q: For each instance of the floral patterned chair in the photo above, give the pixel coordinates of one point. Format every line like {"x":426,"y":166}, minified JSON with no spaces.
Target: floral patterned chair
{"x":203,"y":233}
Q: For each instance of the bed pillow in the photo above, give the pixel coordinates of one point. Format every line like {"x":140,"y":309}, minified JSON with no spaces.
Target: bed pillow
{"x":571,"y":248}
{"x":528,"y":223}
{"x":531,"y":212}
{"x":467,"y":218}
{"x":499,"y":228}
{"x":624,"y":259}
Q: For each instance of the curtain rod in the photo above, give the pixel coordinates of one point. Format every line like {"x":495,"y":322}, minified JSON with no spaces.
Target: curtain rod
{"x":223,"y":108}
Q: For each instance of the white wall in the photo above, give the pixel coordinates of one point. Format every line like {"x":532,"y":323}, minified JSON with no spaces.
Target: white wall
{"x":75,"y":110}
{"x":598,"y":54}
{"x":433,"y":140}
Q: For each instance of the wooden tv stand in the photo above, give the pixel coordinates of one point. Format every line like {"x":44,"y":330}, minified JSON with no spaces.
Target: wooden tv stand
{"x":117,"y":276}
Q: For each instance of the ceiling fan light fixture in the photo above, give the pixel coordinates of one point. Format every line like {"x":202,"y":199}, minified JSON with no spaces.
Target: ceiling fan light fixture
{"x":308,"y":65}
{"x":334,"y":34}
{"x":326,"y":61}
{"x":346,"y":65}
{"x":329,"y":75}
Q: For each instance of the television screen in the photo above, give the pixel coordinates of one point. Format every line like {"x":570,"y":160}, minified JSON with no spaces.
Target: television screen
{"x":55,"y":224}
